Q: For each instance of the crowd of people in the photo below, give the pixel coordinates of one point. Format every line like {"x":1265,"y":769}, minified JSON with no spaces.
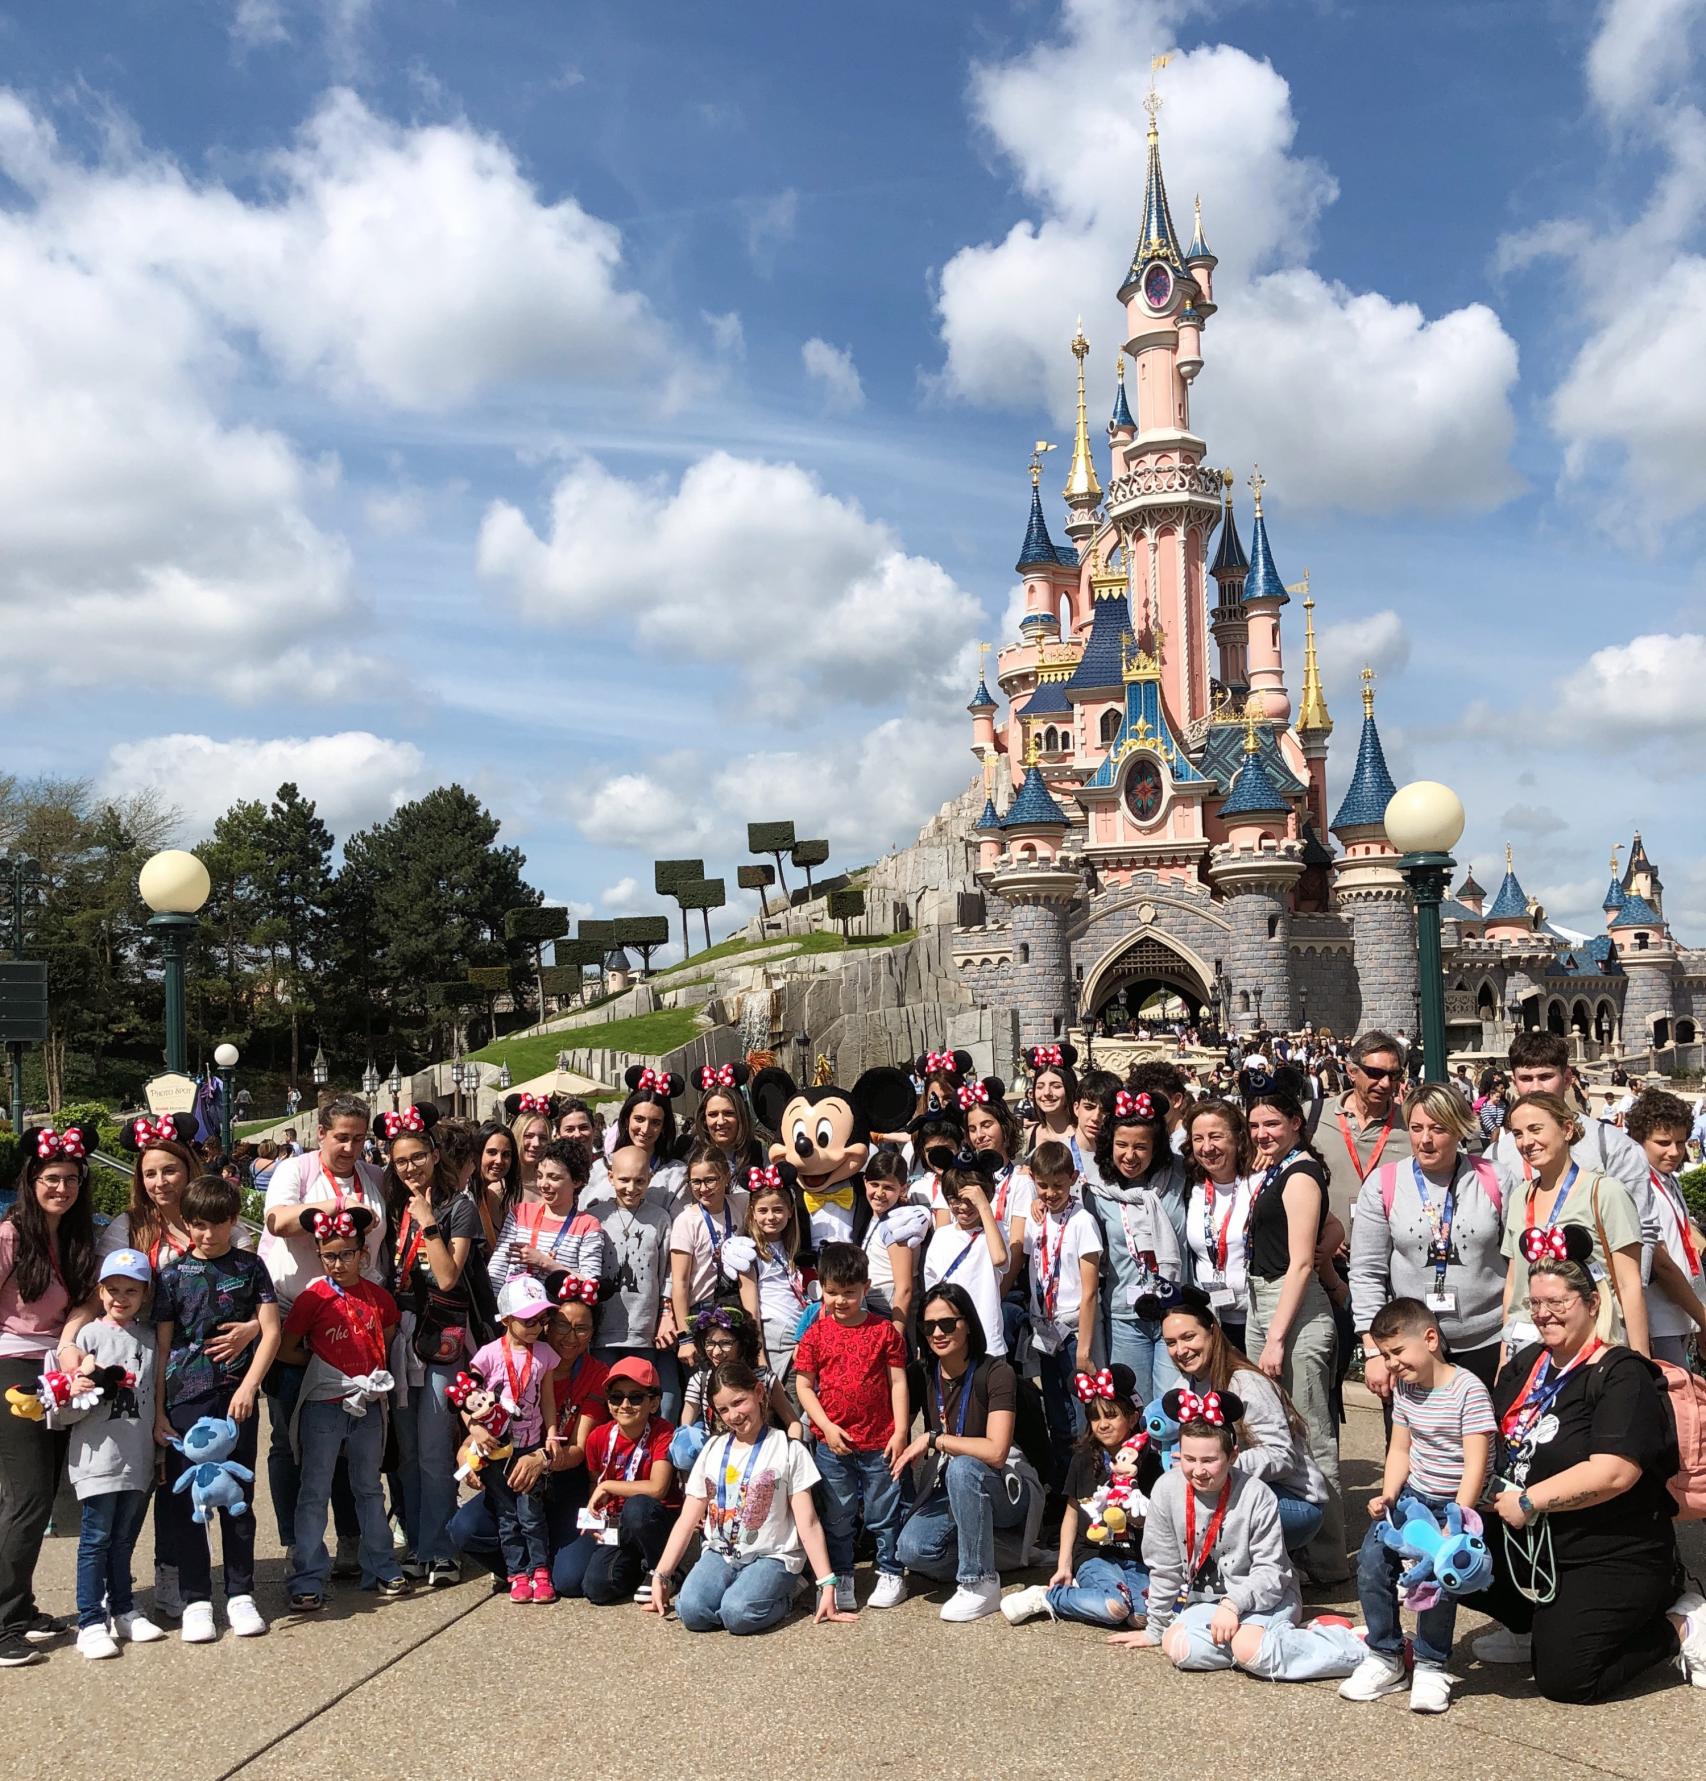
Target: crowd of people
{"x":1107,"y":1319}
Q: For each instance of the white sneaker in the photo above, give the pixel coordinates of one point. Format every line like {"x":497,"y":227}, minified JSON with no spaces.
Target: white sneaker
{"x":1691,"y":1659}
{"x":245,"y":1617}
{"x":167,"y":1599}
{"x":1502,"y":1646}
{"x":974,"y":1601}
{"x":95,"y":1641}
{"x":137,"y":1629}
{"x":890,"y":1591}
{"x":846,"y":1601}
{"x":1380,"y":1672}
{"x":198,"y":1628}
{"x":1026,"y":1604}
{"x":1430,"y":1689}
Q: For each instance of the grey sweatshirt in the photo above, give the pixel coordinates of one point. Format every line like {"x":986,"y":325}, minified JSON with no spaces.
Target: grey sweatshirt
{"x":1254,"y":1574}
{"x":109,"y":1452}
{"x":1279,"y":1457}
{"x":1389,"y":1259}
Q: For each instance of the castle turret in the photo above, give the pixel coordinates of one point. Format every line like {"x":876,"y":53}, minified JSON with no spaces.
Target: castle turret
{"x":1509,"y":917}
{"x":1039,"y":563}
{"x":1121,"y":427}
{"x":1083,"y":492}
{"x":1231,"y":627}
{"x":1202,"y":264}
{"x":987,"y":828}
{"x":982,"y":709}
{"x":1471,"y":895}
{"x":1615,"y":895}
{"x":1649,"y":961}
{"x":1264,"y":595}
{"x":1038,"y":890}
{"x":1314,"y":725}
{"x":1642,"y":878}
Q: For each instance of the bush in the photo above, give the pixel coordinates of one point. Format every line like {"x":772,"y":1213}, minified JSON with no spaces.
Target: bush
{"x":1693,"y":1185}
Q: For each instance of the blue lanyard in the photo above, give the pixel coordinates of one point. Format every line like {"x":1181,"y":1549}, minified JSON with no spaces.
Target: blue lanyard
{"x":1268,"y":1180}
{"x":711,"y":1231}
{"x":1562,"y":1200}
{"x":1440,"y":1250}
{"x":723,"y":1483}
{"x":941,"y":1402}
{"x":971,"y":1244}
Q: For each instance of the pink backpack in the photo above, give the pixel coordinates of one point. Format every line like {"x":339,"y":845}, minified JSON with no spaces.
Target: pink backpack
{"x":1686,"y":1395}
{"x":1485,"y":1172}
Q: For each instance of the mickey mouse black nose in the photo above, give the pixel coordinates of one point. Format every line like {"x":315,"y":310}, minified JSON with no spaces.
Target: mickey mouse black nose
{"x":802,"y":1146}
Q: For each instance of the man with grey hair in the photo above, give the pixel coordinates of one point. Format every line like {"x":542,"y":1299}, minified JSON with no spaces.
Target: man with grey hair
{"x":1365,"y":1126}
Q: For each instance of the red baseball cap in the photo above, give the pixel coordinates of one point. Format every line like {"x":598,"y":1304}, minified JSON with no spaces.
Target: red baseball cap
{"x":642,"y":1372}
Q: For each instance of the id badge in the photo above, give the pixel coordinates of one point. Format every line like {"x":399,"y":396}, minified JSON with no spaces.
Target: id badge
{"x":590,"y":1521}
{"x":1442,"y":1302}
{"x":1221,"y":1298}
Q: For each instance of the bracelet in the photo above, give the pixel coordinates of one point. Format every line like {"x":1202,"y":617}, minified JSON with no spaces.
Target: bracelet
{"x":1526,"y":1504}
{"x":828,"y":1582}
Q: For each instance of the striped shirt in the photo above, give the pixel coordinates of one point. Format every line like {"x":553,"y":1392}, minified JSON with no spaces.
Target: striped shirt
{"x":1438,"y":1420}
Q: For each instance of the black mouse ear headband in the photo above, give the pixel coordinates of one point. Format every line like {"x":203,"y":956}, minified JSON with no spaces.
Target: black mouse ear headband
{"x":347,"y":1221}
{"x":1058,"y":1056}
{"x":517,"y":1104}
{"x":991,"y":1091}
{"x":1220,"y":1409}
{"x":1560,"y":1243}
{"x":642,"y":1079}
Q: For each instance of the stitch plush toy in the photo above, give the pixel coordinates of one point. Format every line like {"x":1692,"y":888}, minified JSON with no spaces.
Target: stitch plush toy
{"x":1162,"y":1427}
{"x":481,"y":1409}
{"x":213,"y":1481}
{"x":1451,"y":1560}
{"x":1119,"y":1502}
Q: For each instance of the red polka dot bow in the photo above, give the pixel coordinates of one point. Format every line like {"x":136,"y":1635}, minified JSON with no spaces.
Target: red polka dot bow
{"x":154,"y":1131}
{"x":461,"y":1389}
{"x":715,"y":1076}
{"x":1129,"y":1106}
{"x":1095,"y":1385}
{"x":586,"y":1291}
{"x":1047,"y":1057}
{"x":973,"y":1094}
{"x":334,"y":1224}
{"x":650,"y":1083}
{"x":404,"y":1122}
{"x":758,"y":1180}
{"x":1540,"y":1244}
{"x":528,"y":1103}
{"x":1204,"y":1409}
{"x":67,"y":1143}
{"x":939,"y":1063}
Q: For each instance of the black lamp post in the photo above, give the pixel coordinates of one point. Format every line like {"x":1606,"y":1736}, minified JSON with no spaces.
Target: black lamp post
{"x":1423,"y":821}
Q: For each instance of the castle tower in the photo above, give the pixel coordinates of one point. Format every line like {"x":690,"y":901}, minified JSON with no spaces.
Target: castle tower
{"x":1264,"y":595}
{"x":1202,"y":264}
{"x":1040,"y":564}
{"x":1038,"y":891}
{"x":1122,"y":429}
{"x":1255,"y":870}
{"x":1370,"y":890}
{"x":1642,"y":878}
{"x":1097,"y":683}
{"x":987,"y":828}
{"x":1083,"y":492}
{"x":1314,"y":725}
{"x":1647,"y":954}
{"x":1231,"y":626}
{"x":1509,"y":917}
{"x":982,"y":709}
{"x":1470,"y":894}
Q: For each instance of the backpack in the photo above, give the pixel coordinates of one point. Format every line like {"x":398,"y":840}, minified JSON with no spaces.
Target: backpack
{"x":1486,"y":1173}
{"x":1685,"y":1393}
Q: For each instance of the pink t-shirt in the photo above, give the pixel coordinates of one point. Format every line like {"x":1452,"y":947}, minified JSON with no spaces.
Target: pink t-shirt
{"x":532,"y":1363}
{"x":28,"y":1327}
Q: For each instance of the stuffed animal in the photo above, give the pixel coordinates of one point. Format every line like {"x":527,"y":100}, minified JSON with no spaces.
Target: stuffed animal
{"x":482,"y":1410}
{"x":118,"y":1386}
{"x":1119,"y":1502}
{"x":1162,"y":1428}
{"x":1452,"y":1560}
{"x":54,"y":1391}
{"x":213,"y":1480}
{"x":26,"y":1404}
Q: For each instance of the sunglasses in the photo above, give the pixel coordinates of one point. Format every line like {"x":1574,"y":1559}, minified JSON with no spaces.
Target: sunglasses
{"x":626,"y":1397}
{"x":1379,"y":1075}
{"x":941,"y":1326}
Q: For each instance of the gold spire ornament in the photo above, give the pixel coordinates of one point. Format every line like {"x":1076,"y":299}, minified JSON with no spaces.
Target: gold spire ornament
{"x":1368,"y":692}
{"x":1510,"y":864}
{"x":1251,"y":745}
{"x":1616,"y":850}
{"x":1258,"y":482}
{"x":1082,"y":489}
{"x":1312,"y":718}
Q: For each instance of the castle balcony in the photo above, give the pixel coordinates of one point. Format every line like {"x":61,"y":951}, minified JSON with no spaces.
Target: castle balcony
{"x":1164,"y":485}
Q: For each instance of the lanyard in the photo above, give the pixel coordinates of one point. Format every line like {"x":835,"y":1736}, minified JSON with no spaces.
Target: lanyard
{"x":630,"y":1466}
{"x":1197,"y":1564}
{"x":1077,"y":1154}
{"x":409,"y":1241}
{"x":1540,"y":1393}
{"x":1268,"y":1180}
{"x":1000,"y":1206}
{"x":566,"y":1405}
{"x":537,"y":1223}
{"x":1218,"y":1247}
{"x":167,"y":1241}
{"x":942,"y":1407}
{"x":1667,"y":1191}
{"x":1558,"y":1204}
{"x":365,"y":1330}
{"x":1439,"y":1252}
{"x":1351,"y":1146}
{"x":517,"y":1383}
{"x":718,"y":1242}
{"x":1144,"y":1258}
{"x":724,"y":1514}
{"x":1048,"y":1283}
{"x":971,"y":1244}
{"x":780,"y":1263}
{"x":336,"y":1186}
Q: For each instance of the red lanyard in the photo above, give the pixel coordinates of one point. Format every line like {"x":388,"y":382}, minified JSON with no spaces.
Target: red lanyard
{"x":166,"y":1238}
{"x":407,"y":1250}
{"x":1351,"y":1147}
{"x":365,"y":1329}
{"x":1533,"y":1404}
{"x":1000,"y":1206}
{"x":517,"y":1383}
{"x":1220,"y":1245}
{"x":333,"y":1184}
{"x":1048,"y":1271}
{"x":787,"y":1269}
{"x":1680,"y":1213}
{"x":1194,"y":1566}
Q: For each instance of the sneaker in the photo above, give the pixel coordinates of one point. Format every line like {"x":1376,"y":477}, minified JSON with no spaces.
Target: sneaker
{"x":45,"y":1628}
{"x":1380,"y":1672}
{"x":1430,"y":1689}
{"x":137,"y":1629}
{"x":890,"y":1591}
{"x":399,"y":1537}
{"x":197,"y":1628}
{"x":389,"y":1589}
{"x":1502,"y":1646}
{"x":347,"y":1562}
{"x":244,"y":1617}
{"x":415,"y":1571}
{"x":16,"y":1651}
{"x":96,"y":1641}
{"x":520,"y":1587}
{"x":1026,"y":1604}
{"x":545,"y":1591}
{"x":643,"y":1594}
{"x":167,"y":1599}
{"x":846,"y":1601}
{"x":974,"y":1601}
{"x":445,"y":1574}
{"x":1691,"y":1659}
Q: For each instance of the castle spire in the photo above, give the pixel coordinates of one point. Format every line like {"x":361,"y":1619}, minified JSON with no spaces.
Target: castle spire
{"x":1312,"y":718}
{"x":1121,"y":421}
{"x":1083,"y":492}
{"x":1371,"y":788}
{"x":1157,"y":239}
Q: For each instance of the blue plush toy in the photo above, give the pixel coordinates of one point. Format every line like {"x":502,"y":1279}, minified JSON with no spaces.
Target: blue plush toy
{"x":1452,"y":1560}
{"x":213,"y":1481}
{"x":1161,"y":1427}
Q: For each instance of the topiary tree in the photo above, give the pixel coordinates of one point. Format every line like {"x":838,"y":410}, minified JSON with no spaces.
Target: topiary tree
{"x":774,"y":838}
{"x":666,"y":875}
{"x":645,"y":933}
{"x":808,"y":854}
{"x":703,"y":894}
{"x":843,"y":905}
{"x":535,"y":928}
{"x":561,"y":980}
{"x":758,"y":878}
{"x":493,"y":980}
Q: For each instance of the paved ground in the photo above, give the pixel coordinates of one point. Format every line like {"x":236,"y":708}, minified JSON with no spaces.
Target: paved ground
{"x":459,"y":1683}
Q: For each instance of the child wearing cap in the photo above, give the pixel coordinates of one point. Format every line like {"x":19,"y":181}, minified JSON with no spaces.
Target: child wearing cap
{"x":111,"y":1464}
{"x":517,"y":1370}
{"x":634,"y":1493}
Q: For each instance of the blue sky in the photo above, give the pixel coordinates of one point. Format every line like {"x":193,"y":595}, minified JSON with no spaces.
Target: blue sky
{"x":625,"y":412}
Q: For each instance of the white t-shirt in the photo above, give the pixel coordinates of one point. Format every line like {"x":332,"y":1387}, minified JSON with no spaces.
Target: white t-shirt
{"x":781,"y":1288}
{"x":1206,"y":1236}
{"x":1015,"y":1191}
{"x":1065,"y":1240}
{"x":963,"y":1258}
{"x":905,"y":1223}
{"x":700,"y":1235}
{"x":294,"y":1261}
{"x":754,"y":1518}
{"x":1664,"y":1316}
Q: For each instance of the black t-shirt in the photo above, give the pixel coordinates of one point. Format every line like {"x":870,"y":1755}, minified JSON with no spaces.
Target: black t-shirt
{"x":993,"y":1387}
{"x":1269,"y":1230}
{"x":1084,"y":1477}
{"x":460,"y":1218}
{"x":1612,"y":1407}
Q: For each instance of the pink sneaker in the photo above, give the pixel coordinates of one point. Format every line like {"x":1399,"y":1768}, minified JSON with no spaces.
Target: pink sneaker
{"x":542,"y":1589}
{"x":520,"y":1590}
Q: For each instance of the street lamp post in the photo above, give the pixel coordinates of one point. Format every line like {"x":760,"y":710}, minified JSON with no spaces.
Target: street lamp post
{"x":394,"y":1082}
{"x":26,"y":882}
{"x":174,"y":884}
{"x":321,"y":1072}
{"x":225,"y":1058}
{"x":1424,"y":821}
{"x":370,"y":1082}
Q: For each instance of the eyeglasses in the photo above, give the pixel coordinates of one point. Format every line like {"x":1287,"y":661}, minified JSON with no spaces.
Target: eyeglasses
{"x":626,"y":1397}
{"x":941,"y":1326}
{"x":337,"y":1257}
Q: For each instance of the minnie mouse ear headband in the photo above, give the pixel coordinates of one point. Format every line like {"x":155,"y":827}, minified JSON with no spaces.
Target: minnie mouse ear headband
{"x":642,"y":1079}
{"x":76,"y":1143}
{"x":952,"y":1064}
{"x":1562,"y":1243}
{"x":347,"y":1221}
{"x":145,"y":1130}
{"x":945,"y":1123}
{"x":564,"y":1288}
{"x":517,"y":1104}
{"x":1219,"y":1409}
{"x":1117,"y":1382}
{"x":1058,"y":1056}
{"x":989,"y":1091}
{"x":712,"y":1078}
{"x":1126,"y":1105}
{"x":1190,"y":1299}
{"x":720,"y":1317}
{"x":411,"y":1122}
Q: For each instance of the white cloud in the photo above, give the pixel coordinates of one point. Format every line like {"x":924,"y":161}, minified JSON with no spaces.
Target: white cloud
{"x":258,"y":23}
{"x":833,"y":367}
{"x":1354,"y":400}
{"x":640,"y":810}
{"x":1379,"y":642}
{"x":769,"y":222}
{"x":728,"y":337}
{"x":721,"y":567}
{"x":355,"y":778}
{"x":1638,"y":51}
{"x":395,"y":512}
{"x":626,"y":897}
{"x":1649,"y":686}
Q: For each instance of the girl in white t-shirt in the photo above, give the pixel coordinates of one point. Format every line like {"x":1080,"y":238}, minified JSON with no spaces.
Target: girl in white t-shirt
{"x":897,"y":1232}
{"x":750,"y":1491}
{"x":1218,"y":1210}
{"x":764,"y":1256}
{"x":1064,"y":1245}
{"x":972,"y":1250}
{"x":699,"y":1272}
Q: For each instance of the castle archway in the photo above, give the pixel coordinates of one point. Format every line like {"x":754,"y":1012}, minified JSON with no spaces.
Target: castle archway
{"x":1152,"y":973}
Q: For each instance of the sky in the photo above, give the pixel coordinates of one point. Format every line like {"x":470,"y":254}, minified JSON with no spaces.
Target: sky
{"x":625,"y":411}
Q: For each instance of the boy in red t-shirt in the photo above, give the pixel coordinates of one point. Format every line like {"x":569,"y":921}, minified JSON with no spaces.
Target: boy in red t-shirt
{"x":340,"y":1328}
{"x":633,"y":1498}
{"x":850,"y":1373}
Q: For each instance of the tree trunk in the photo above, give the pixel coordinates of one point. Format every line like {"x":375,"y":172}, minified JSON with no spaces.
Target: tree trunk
{"x":809,"y":891}
{"x":705,"y":917}
{"x":295,"y":1043}
{"x":686,"y":944}
{"x":539,"y":976}
{"x":781,"y":877}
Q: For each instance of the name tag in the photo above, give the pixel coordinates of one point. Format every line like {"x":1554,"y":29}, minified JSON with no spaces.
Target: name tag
{"x":1442,"y":1302}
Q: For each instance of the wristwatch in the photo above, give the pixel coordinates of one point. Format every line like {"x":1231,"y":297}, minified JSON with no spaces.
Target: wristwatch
{"x":429,"y":1230}
{"x":930,"y":1441}
{"x":828,"y":1582}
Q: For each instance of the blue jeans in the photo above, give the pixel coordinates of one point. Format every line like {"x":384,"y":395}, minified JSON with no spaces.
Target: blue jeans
{"x":522,"y":1532}
{"x":669,"y":1374}
{"x":848,"y":1477}
{"x":283,"y":1386}
{"x":1061,"y":1408}
{"x":606,"y":1575}
{"x":1288,"y":1653}
{"x":473,"y":1529}
{"x":428,"y":1434}
{"x":1136,"y":1342}
{"x":1300,"y":1520}
{"x":749,"y":1598}
{"x":328,"y":1433}
{"x":1377,"y":1590}
{"x":1096,"y":1583}
{"x":952,"y":1532}
{"x":111,"y":1526}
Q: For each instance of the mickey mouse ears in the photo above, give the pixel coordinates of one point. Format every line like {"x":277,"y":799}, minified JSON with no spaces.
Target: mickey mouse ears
{"x":1559,"y":1243}
{"x":642,"y":1079}
{"x":522,"y":1102}
{"x":709,"y":1078}
{"x":952,"y":1064}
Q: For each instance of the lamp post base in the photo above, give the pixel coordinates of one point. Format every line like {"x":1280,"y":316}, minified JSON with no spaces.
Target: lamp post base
{"x":1428,"y":875}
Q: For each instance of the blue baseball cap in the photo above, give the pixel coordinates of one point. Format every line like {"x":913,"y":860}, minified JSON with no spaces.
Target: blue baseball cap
{"x":131,"y":1264}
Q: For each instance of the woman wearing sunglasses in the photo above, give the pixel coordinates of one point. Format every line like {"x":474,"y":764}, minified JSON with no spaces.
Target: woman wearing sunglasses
{"x":967,"y":1491}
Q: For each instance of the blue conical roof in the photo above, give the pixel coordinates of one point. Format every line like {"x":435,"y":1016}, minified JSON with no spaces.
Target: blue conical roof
{"x":1230,"y":554}
{"x":982,"y":699}
{"x":990,"y":819}
{"x":1101,"y":668}
{"x":1157,"y":239}
{"x":1038,"y":546}
{"x":1253,"y":792}
{"x":1263,"y":582}
{"x":1636,"y":912}
{"x":1615,"y":896}
{"x":1371,"y":788}
{"x":1034,"y":805}
{"x":1511,"y":904}
{"x":1199,"y":248}
{"x":1122,"y":411}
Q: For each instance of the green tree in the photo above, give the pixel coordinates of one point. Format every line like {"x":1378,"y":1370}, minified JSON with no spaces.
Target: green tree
{"x":807,"y":854}
{"x":666,"y":875}
{"x":843,"y":905}
{"x":645,"y":933}
{"x":758,"y":878}
{"x":299,"y":886}
{"x":703,"y":894}
{"x":774,"y":838}
{"x":535,"y":927}
{"x":231,"y":940}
